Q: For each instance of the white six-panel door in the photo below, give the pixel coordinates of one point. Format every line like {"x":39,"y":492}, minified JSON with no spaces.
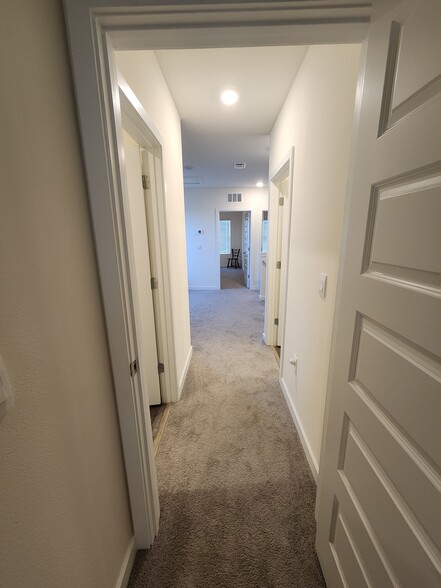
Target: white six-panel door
{"x":379,"y":500}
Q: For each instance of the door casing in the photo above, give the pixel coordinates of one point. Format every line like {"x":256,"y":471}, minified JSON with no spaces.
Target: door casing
{"x":138,"y":124}
{"x":96,"y":28}
{"x":279,"y":229}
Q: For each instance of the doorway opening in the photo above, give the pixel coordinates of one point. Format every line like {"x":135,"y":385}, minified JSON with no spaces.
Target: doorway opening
{"x":94,"y":59}
{"x":234,"y":249}
{"x":277,"y":259}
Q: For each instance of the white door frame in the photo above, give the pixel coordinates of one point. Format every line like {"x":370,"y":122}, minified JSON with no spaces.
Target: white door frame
{"x":137,"y":123}
{"x":95,"y":29}
{"x":285,"y":169}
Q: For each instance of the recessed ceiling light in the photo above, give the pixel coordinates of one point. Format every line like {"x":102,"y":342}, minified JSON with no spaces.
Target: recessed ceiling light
{"x":259,"y":184}
{"x":229,"y":97}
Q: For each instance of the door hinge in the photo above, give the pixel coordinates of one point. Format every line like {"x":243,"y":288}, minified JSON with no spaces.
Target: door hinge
{"x":278,"y":265}
{"x":281,"y":201}
{"x":154,"y":283}
{"x":161,"y":368}
{"x":276,"y":321}
{"x":133,"y":367}
{"x":146,"y":182}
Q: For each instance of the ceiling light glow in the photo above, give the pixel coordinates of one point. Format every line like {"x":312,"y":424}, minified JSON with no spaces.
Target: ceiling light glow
{"x":229,"y":97}
{"x":259,"y":184}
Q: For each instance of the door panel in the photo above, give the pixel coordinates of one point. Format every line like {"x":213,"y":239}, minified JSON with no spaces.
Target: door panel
{"x":419,"y":38}
{"x":379,"y":500}
{"x":413,"y":62}
{"x":146,"y":332}
{"x":283,"y":228}
{"x":246,"y":249}
{"x":149,"y":161}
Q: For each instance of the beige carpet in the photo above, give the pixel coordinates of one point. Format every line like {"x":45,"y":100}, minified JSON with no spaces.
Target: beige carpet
{"x":232,"y":278}
{"x":237,"y":496}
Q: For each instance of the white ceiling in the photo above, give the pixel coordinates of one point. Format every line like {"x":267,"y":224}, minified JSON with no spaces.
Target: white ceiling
{"x":216,"y":136}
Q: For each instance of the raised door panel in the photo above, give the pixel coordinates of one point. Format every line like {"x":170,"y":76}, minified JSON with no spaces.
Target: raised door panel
{"x":379,"y":502}
{"x":412,"y":76}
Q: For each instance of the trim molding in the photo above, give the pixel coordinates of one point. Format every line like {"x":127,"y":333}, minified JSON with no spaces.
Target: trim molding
{"x":126,"y":568}
{"x":191,"y":288}
{"x":185,"y":372}
{"x":300,"y":430}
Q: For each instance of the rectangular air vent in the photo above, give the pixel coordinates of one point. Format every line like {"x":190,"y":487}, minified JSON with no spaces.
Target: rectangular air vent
{"x":234,"y":197}
{"x":192,"y":181}
{"x":239,"y":165}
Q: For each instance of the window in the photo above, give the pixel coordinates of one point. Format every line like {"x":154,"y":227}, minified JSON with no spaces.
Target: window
{"x":225,"y":236}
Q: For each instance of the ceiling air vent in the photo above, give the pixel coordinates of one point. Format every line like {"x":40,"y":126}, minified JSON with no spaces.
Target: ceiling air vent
{"x":234,"y":197}
{"x":192,"y":181}
{"x":239,"y":165}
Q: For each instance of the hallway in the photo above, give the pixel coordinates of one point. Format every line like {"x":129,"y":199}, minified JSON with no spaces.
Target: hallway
{"x":237,"y":496}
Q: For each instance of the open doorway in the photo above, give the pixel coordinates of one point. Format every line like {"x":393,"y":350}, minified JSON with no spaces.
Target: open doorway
{"x":278,"y":227}
{"x":138,"y":207}
{"x":104,"y":168}
{"x":144,"y":281}
{"x":234,"y":249}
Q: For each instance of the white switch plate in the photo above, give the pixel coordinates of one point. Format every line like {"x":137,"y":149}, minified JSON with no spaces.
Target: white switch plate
{"x":322,"y":285}
{"x":6,"y":397}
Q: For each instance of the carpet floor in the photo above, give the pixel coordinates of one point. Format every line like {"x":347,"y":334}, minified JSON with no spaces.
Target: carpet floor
{"x":236,"y":493}
{"x":232,"y":278}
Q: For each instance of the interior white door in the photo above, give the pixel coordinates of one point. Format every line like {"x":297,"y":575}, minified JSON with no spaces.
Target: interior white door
{"x":145,"y":323}
{"x":246,"y":249}
{"x":379,"y":501}
{"x":281,"y":263}
{"x":149,"y":163}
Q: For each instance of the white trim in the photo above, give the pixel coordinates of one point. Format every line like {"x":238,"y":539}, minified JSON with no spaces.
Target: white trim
{"x":137,"y":122}
{"x":313,"y":464}
{"x":285,"y":169}
{"x":199,"y":288}
{"x":140,"y":119}
{"x":127,"y":565}
{"x":101,"y":127}
{"x":185,"y":371}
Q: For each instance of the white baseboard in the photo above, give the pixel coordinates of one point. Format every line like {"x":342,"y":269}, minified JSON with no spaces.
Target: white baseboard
{"x":261,"y":298}
{"x":204,"y":288}
{"x":298,"y":424}
{"x":185,"y":372}
{"x":126,"y":568}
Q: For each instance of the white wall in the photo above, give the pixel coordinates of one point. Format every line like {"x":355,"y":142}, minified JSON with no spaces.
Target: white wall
{"x":142,"y":72}
{"x":236,"y":233}
{"x":202,"y":207}
{"x":64,"y":510}
{"x":317,"y":119}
